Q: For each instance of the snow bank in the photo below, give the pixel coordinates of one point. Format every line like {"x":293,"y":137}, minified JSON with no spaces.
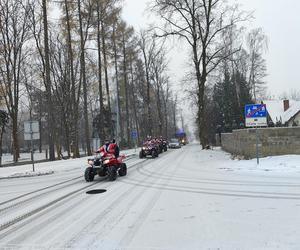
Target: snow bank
{"x":284,"y":164}
{"x":26,"y":174}
{"x":47,"y":168}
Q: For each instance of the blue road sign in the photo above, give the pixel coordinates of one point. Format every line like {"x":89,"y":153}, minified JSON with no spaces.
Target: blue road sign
{"x":134,"y":134}
{"x":255,"y":111}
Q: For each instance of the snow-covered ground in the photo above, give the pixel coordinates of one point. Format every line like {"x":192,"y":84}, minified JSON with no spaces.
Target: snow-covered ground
{"x":185,"y":199}
{"x":46,"y":168}
{"x":273,"y":165}
{"x":8,"y":158}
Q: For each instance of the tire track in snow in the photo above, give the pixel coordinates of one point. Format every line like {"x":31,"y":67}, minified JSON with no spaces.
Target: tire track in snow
{"x":223,"y":181}
{"x":38,"y":190}
{"x":221,"y":190}
{"x":129,"y":236}
{"x":43,"y":207}
{"x":107,"y":219}
{"x":39,"y":195}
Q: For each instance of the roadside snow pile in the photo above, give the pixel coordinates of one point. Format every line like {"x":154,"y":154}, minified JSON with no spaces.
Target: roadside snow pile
{"x":27,"y":174}
{"x":276,"y":164}
{"x":47,"y":168}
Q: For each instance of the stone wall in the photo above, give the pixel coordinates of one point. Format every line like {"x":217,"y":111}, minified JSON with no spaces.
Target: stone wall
{"x":272,"y":141}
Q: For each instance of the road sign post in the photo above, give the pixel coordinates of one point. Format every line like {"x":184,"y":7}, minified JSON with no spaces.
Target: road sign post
{"x":31,"y":132}
{"x":134,"y":135}
{"x":256,"y":116}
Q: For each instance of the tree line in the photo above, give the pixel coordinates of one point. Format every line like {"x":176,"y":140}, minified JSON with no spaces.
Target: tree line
{"x":84,"y":74}
{"x":227,"y":63}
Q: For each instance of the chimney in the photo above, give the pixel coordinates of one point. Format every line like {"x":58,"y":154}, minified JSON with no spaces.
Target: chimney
{"x":286,"y":105}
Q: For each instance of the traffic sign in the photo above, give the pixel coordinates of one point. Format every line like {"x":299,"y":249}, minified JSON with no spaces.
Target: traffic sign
{"x":256,"y":115}
{"x":31,"y":130}
{"x":134,"y":134}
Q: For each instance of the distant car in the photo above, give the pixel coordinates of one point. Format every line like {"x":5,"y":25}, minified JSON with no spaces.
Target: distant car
{"x":174,"y":143}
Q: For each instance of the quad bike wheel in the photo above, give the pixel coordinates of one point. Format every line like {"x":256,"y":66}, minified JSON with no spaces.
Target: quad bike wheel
{"x":89,"y":174}
{"x":123,"y":170}
{"x":112,"y":173}
{"x":154,"y":154}
{"x":101,"y":172}
{"x":141,"y":154}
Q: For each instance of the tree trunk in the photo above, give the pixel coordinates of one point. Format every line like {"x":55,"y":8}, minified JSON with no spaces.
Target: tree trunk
{"x":160,"y":124}
{"x":16,"y":152}
{"x":48,"y":85}
{"x":148,"y":96}
{"x":109,"y":118}
{"x":101,"y":132}
{"x":1,"y":138}
{"x":119,"y":127}
{"x":75,"y":143}
{"x":84,"y":83}
{"x":126,"y":92}
{"x":134,"y":102}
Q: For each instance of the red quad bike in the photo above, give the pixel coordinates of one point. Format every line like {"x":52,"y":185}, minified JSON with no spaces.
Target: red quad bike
{"x":148,"y":149}
{"x":105,"y":164}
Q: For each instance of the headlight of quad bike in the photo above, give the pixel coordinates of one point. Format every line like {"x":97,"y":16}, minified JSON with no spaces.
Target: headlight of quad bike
{"x":106,"y":161}
{"x":90,"y":162}
{"x":144,"y":148}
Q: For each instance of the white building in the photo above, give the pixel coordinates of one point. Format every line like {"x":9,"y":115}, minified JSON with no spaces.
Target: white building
{"x":285,"y":112}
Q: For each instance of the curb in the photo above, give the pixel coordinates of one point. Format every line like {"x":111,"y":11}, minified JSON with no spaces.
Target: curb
{"x":29,"y":175}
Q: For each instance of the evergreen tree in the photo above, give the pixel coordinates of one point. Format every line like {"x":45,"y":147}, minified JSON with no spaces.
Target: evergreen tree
{"x":228,"y":113}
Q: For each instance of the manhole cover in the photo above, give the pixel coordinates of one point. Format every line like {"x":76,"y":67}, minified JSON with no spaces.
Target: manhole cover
{"x":96,"y":191}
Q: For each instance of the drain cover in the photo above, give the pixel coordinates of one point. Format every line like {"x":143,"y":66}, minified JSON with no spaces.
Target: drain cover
{"x":96,"y":191}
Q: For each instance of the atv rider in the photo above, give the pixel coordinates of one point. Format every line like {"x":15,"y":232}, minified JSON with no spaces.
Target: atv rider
{"x":148,"y":142}
{"x":110,"y":148}
{"x":104,"y":148}
{"x":114,"y":148}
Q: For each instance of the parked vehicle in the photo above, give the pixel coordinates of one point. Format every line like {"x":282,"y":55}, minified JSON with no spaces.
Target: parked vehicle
{"x":174,"y":143}
{"x":105,"y":164}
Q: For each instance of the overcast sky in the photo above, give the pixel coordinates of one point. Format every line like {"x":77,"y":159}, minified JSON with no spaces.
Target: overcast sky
{"x":280,"y":20}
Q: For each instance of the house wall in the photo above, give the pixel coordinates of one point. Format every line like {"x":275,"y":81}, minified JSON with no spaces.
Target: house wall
{"x":296,"y":119}
{"x":272,"y":141}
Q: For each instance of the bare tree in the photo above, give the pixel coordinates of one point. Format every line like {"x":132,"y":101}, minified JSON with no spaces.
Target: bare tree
{"x":83,"y":38}
{"x":257,"y":45}
{"x":158,"y":69}
{"x":14,"y":35}
{"x":47,"y":82}
{"x":100,"y":81}
{"x":3,"y":123}
{"x":201,"y":24}
{"x":115,"y":38}
{"x":292,"y":94}
{"x":147,"y":47}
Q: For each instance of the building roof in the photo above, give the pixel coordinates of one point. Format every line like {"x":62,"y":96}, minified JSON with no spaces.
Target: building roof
{"x":276,"y":110}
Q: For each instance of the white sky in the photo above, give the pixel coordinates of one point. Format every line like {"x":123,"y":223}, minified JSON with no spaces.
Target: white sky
{"x":280,"y":21}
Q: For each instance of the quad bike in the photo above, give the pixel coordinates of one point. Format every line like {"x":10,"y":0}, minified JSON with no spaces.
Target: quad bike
{"x":165,"y":145}
{"x":160,"y":147}
{"x":148,"y":149}
{"x":105,"y":164}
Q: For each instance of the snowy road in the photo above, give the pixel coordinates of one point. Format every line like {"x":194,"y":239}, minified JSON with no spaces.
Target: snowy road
{"x":185,"y":199}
